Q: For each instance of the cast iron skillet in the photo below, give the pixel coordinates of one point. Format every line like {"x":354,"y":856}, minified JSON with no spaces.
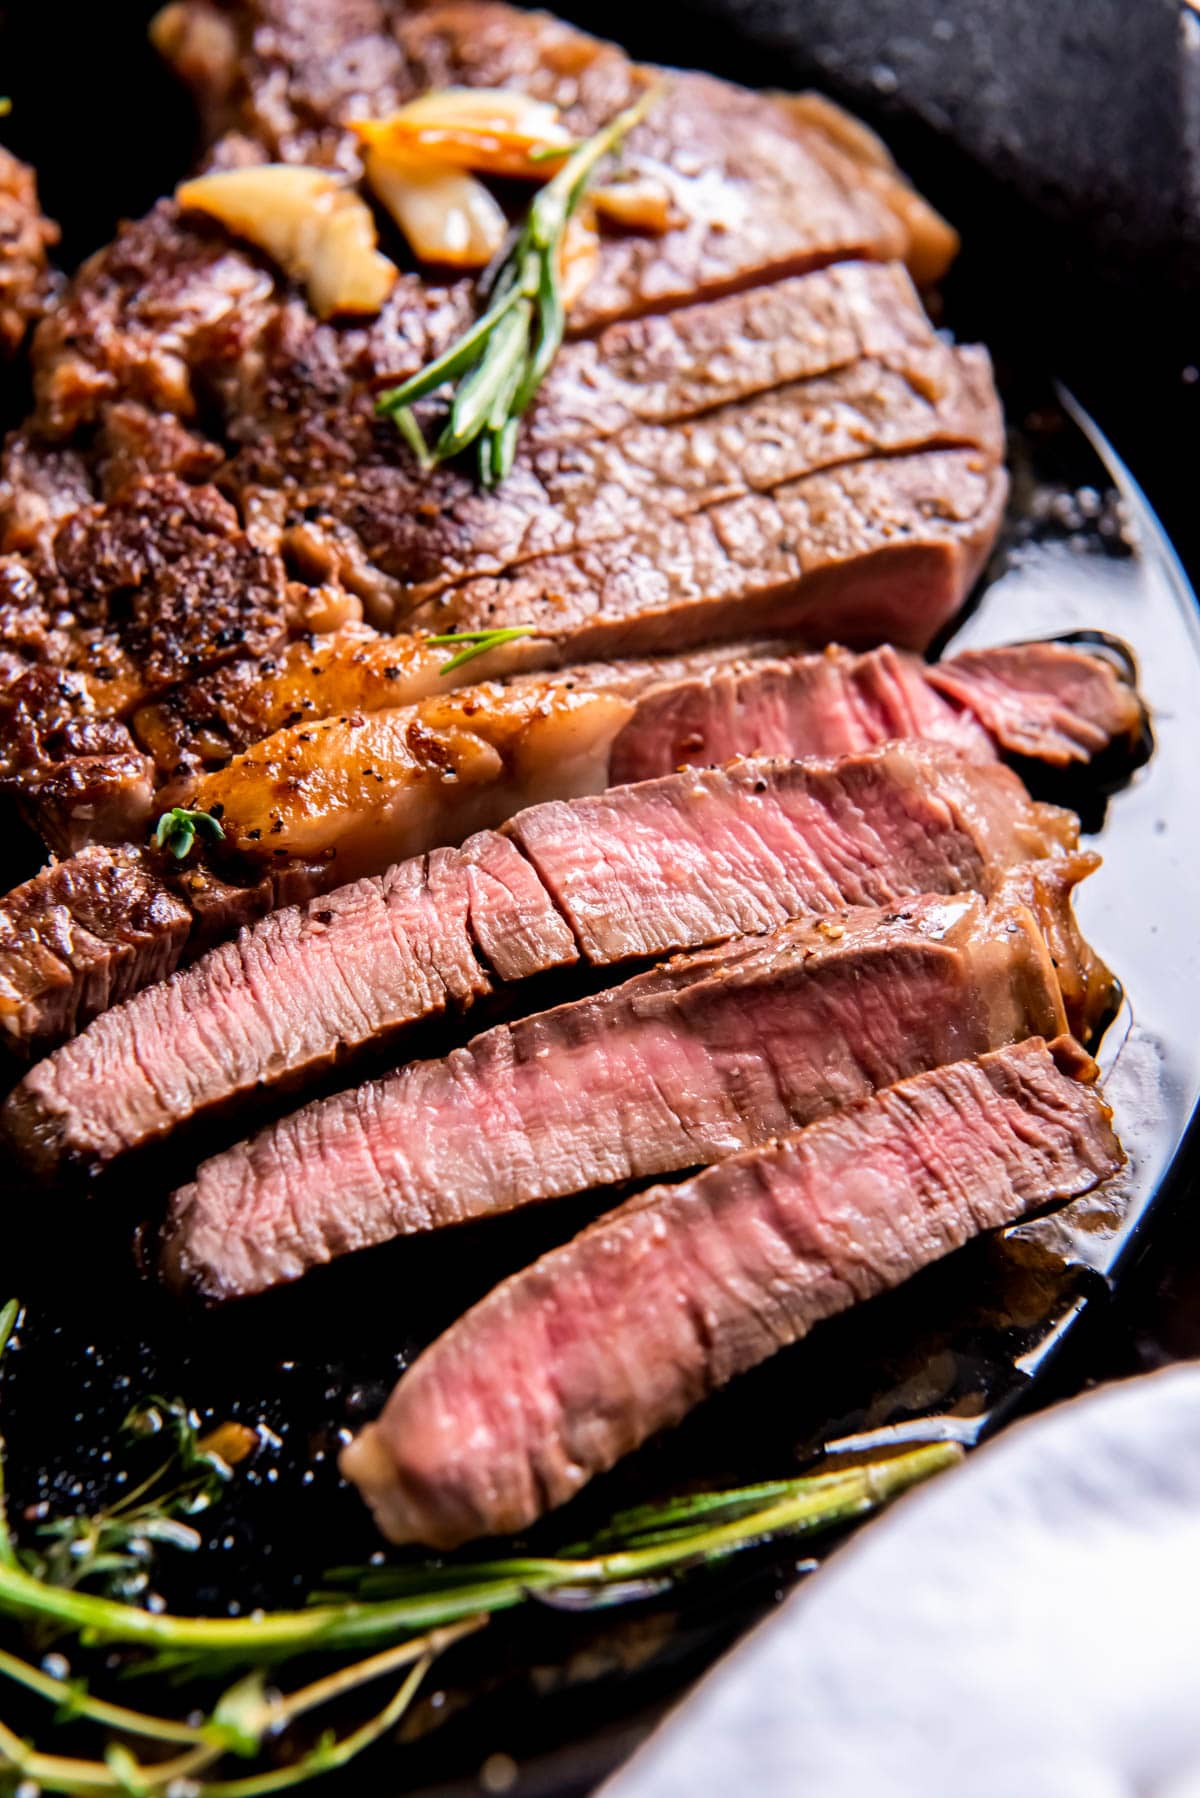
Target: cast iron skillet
{"x":954,"y":1353}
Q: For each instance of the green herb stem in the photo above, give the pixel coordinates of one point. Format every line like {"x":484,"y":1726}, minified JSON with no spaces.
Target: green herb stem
{"x":501,"y":360}
{"x":804,"y":1506}
{"x":72,"y":1700}
{"x":477,"y":643}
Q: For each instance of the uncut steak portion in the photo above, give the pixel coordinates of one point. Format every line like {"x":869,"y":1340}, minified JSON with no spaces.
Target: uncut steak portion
{"x":678,"y":1067}
{"x":624,"y":1330}
{"x":878,"y":550}
{"x":636,"y":872}
{"x":433,"y":529}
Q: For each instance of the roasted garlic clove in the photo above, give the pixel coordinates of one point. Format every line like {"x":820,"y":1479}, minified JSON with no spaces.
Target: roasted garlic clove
{"x":638,"y":204}
{"x":578,"y":257}
{"x":488,"y":129}
{"x":446,"y":215}
{"x":318,"y":230}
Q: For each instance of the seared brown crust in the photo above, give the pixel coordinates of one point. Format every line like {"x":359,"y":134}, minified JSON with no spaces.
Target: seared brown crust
{"x":204,"y":479}
{"x":79,"y":937}
{"x":25,"y":239}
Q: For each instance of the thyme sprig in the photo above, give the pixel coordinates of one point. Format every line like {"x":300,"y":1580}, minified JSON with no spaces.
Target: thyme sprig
{"x":112,"y":1549}
{"x":499,"y":363}
{"x":176,"y":830}
{"x":478,"y":643}
{"x":390,"y":1618}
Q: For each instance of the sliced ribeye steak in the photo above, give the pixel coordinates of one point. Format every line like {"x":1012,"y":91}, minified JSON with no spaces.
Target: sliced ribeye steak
{"x":621,"y":1332}
{"x":636,"y":872}
{"x":298,"y":789}
{"x":676,"y":1068}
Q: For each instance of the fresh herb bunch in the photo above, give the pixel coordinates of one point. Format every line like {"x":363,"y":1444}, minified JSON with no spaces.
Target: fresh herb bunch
{"x":176,"y":830}
{"x":386,"y":1619}
{"x":500,"y":362}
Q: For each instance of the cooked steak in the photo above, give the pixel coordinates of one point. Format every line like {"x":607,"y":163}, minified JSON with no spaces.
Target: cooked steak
{"x":80,"y":937}
{"x":677,"y":1068}
{"x":433,"y":529}
{"x":698,"y":707}
{"x":375,"y":788}
{"x":878,"y":550}
{"x":25,"y":238}
{"x":1051,"y":701}
{"x":621,"y":1332}
{"x":640,"y":871}
{"x":773,"y":368}
{"x":161,"y":585}
{"x":695,"y":857}
{"x":741,"y":159}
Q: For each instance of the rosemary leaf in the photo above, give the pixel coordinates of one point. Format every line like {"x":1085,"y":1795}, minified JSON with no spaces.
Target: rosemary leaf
{"x":9,"y":1314}
{"x":498,"y":371}
{"x":501,"y":361}
{"x":450,"y":363}
{"x":477,"y":643}
{"x":405,"y":422}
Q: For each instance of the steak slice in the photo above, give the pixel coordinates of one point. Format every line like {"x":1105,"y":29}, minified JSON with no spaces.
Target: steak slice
{"x":833,"y":703}
{"x":1048,"y":701}
{"x":637,"y":872}
{"x":25,"y":238}
{"x":692,"y":858}
{"x":79,"y":937}
{"x":575,"y":1361}
{"x":678,"y":1067}
{"x":699,"y":707}
{"x":1053,"y":702}
{"x":883,"y":550}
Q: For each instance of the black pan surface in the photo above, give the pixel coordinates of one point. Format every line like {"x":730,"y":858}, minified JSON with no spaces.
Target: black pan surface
{"x":953,"y":1354}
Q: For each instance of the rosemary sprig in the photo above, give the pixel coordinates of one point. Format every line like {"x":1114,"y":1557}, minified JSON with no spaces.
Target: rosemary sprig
{"x":501,"y":361}
{"x":244,"y":1719}
{"x":177,"y":829}
{"x":478,"y":643}
{"x":9,"y":1314}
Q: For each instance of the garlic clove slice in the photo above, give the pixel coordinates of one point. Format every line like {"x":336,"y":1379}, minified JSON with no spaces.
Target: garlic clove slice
{"x":318,"y":230}
{"x":346,"y":273}
{"x":578,"y":257}
{"x":447,"y":216}
{"x":638,"y":204}
{"x":492,"y":130}
{"x":278,"y":207}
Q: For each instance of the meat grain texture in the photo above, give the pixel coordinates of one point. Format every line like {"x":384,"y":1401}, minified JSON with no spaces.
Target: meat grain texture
{"x":679,"y":1067}
{"x":577,"y":1360}
{"x":636,"y":872}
